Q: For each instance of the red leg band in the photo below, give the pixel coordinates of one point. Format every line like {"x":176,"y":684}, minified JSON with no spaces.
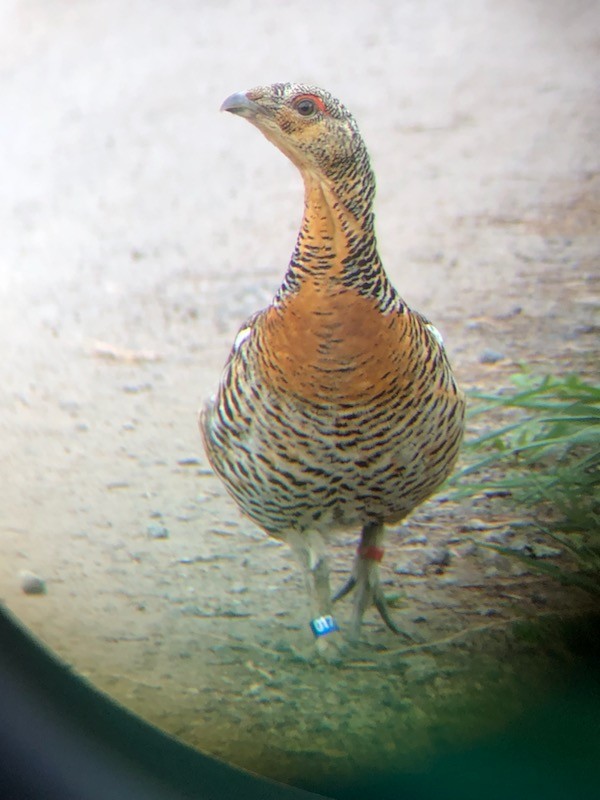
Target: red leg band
{"x":371,"y":552}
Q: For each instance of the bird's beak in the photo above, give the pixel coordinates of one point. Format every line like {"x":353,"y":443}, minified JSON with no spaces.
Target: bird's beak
{"x":240,"y":104}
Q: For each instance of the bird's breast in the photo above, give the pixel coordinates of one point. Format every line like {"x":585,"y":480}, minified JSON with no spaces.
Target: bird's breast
{"x":333,"y":346}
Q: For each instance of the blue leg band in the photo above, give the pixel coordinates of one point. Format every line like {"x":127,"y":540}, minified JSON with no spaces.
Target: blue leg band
{"x":321,"y":626}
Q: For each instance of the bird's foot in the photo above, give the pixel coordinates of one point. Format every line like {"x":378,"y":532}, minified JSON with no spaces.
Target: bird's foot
{"x":329,"y":644}
{"x":377,"y":599}
{"x":345,"y":589}
{"x":382,"y":607}
{"x":364,"y":581}
{"x":331,"y":648}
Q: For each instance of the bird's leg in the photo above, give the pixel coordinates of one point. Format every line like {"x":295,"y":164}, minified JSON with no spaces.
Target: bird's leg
{"x":366,"y":576}
{"x":311,"y":553}
{"x":365,"y":580}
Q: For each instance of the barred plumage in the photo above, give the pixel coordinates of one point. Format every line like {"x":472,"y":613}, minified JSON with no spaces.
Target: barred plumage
{"x":337,"y":406}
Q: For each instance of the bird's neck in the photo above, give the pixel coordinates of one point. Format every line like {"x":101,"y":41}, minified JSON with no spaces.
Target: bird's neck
{"x":336,"y":240}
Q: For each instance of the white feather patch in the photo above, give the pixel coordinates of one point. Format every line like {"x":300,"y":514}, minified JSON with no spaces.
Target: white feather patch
{"x":436,"y":334}
{"x":241,"y":338}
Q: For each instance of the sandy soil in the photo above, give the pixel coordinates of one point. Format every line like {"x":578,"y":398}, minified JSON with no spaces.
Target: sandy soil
{"x":139,"y":229}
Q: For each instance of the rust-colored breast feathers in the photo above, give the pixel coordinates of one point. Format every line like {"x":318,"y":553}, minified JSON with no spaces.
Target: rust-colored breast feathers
{"x":336,"y":347}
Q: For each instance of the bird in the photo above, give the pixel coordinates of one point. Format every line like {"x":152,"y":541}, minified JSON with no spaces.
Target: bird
{"x":337,"y":408}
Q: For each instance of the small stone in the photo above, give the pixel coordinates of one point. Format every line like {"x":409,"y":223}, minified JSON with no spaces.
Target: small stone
{"x":585,"y":330}
{"x":413,"y":565}
{"x":473,"y":324}
{"x":500,"y":536}
{"x":135,"y":388}
{"x":544,"y":551}
{"x":475,"y":524}
{"x":421,"y":668}
{"x":417,"y":559}
{"x":193,"y":610}
{"x":449,"y":580}
{"x":489,"y":612}
{"x":190,"y":461}
{"x":518,"y":569}
{"x":70,"y":406}
{"x":32,"y":584}
{"x":325,"y":725}
{"x":465,"y":549}
{"x":492,"y":557}
{"x":156,"y":531}
{"x":417,"y":538}
{"x":440,"y":556}
{"x":489,"y":356}
{"x":535,"y":549}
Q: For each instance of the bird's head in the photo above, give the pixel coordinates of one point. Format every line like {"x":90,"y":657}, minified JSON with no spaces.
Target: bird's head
{"x":313,"y":129}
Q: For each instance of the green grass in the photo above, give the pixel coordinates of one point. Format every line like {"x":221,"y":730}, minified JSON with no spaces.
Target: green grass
{"x":544,"y":457}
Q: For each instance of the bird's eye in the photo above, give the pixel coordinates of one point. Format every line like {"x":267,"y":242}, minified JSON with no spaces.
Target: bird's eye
{"x":307,"y":105}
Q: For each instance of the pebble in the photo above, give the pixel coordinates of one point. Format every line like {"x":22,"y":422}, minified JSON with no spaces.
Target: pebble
{"x":449,"y":580}
{"x":465,"y":549}
{"x":417,"y":538}
{"x":421,"y":668}
{"x":585,"y":330}
{"x":156,"y":531}
{"x":419,"y":558}
{"x":190,"y":461}
{"x":440,"y":556}
{"x":32,"y":584}
{"x":193,"y":610}
{"x":535,"y":549}
{"x":489,"y":356}
{"x":489,"y":612}
{"x":415,"y":565}
{"x":70,"y":406}
{"x":500,"y":536}
{"x":475,"y":524}
{"x":134,"y":388}
{"x":518,"y":570}
{"x":495,"y":559}
{"x":544,"y":551}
